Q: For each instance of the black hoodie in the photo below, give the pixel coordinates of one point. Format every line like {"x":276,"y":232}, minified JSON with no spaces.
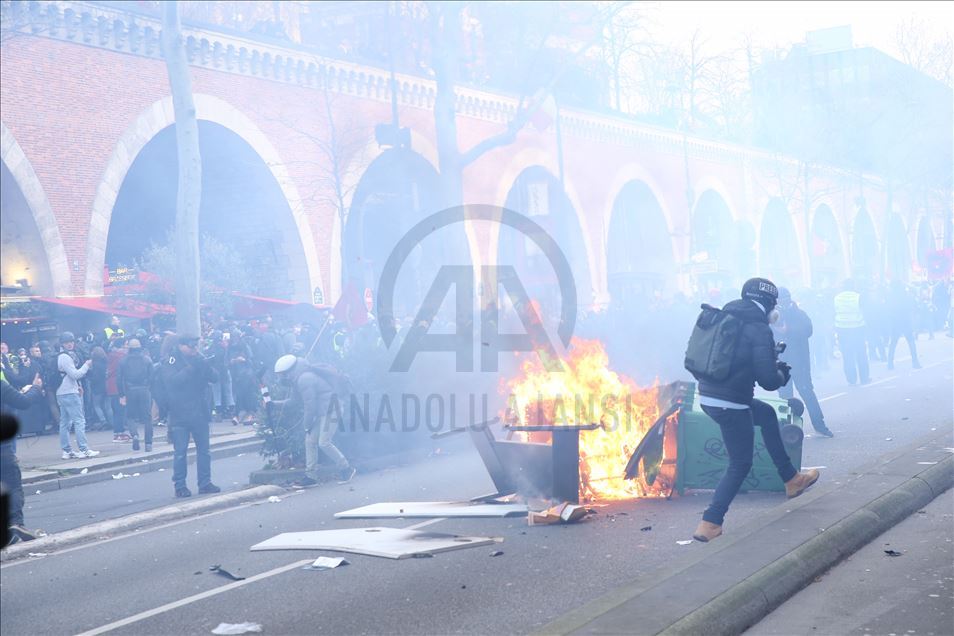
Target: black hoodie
{"x":754,"y":359}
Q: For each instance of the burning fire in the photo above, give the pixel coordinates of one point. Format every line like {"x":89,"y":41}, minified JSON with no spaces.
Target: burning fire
{"x":588,"y":392}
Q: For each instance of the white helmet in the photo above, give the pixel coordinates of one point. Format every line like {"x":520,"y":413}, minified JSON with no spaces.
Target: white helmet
{"x":285,"y":363}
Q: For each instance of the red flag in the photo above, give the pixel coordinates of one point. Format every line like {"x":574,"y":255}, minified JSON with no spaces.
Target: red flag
{"x":940,"y":263}
{"x":350,"y":308}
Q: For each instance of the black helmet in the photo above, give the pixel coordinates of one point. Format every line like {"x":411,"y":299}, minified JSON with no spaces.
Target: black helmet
{"x":67,"y":336}
{"x":761,"y":290}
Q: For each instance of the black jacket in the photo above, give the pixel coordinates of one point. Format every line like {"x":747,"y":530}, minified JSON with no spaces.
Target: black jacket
{"x":754,"y":359}
{"x":186,"y":382}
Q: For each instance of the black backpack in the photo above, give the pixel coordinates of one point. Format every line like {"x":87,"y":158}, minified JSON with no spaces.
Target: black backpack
{"x":56,"y":376}
{"x":712,"y":344}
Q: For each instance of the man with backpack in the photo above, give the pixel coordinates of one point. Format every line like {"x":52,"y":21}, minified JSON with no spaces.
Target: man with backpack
{"x":133,"y":380}
{"x":69,"y":398}
{"x":313,"y":387}
{"x":729,"y":351}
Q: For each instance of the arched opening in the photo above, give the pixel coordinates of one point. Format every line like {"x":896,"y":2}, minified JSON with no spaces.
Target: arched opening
{"x":897,"y":254}
{"x":25,"y":265}
{"x":639,"y":258}
{"x":717,"y":247}
{"x":827,"y":255}
{"x":926,"y":243}
{"x":398,"y":189}
{"x":536,"y":193}
{"x":864,"y":248}
{"x":778,"y":246}
{"x":242,"y":207}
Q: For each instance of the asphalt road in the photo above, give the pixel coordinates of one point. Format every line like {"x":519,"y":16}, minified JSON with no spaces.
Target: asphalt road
{"x":544,"y":571}
{"x":874,"y":593}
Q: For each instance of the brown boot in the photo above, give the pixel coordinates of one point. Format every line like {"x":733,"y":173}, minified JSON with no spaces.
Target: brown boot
{"x":706,"y":532}
{"x":800,"y":482}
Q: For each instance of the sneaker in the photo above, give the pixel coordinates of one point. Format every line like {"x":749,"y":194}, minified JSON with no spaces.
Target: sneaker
{"x":306,"y":482}
{"x":148,"y":448}
{"x":89,"y":452}
{"x":160,"y":423}
{"x":209,"y":489}
{"x":68,"y":455}
{"x":22,"y":533}
{"x":706,"y":532}
{"x":182,"y":492}
{"x":801,"y":482}
{"x":346,"y":474}
{"x":135,"y":445}
{"x":824,"y":432}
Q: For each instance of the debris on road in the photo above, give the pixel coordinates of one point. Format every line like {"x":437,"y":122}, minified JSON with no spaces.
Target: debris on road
{"x":218,"y":570}
{"x":120,"y":475}
{"x":84,"y":471}
{"x":496,"y":553}
{"x":689,"y":542}
{"x":225,"y":629}
{"x":563,"y":513}
{"x":274,"y":499}
{"x":391,"y":543}
{"x":434,"y":509}
{"x":37,"y":554}
{"x":892,"y":553}
{"x":926,"y":463}
{"x":327,"y":563}
{"x":645,"y":528}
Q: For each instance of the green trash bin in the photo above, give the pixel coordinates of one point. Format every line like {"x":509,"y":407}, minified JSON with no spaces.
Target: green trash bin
{"x":701,"y":458}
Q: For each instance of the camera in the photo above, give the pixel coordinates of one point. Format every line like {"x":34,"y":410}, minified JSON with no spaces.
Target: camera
{"x":779,"y":348}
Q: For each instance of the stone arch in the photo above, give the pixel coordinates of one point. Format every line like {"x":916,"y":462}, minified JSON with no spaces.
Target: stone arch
{"x":25,"y":177}
{"x":897,"y":252}
{"x":639,"y":251}
{"x":536,"y":192}
{"x":826,"y":249}
{"x":779,"y":250}
{"x":150,"y":123}
{"x":536,"y":157}
{"x":357,"y":167}
{"x":865,"y":256}
{"x":715,"y":243}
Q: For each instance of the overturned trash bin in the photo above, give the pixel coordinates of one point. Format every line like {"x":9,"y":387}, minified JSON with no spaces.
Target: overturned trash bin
{"x":700,"y":455}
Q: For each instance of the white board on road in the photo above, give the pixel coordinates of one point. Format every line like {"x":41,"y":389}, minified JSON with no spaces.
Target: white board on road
{"x":433,"y":509}
{"x":391,"y":543}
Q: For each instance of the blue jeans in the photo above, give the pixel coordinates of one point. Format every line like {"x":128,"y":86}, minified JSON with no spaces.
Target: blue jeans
{"x":738,"y":435}
{"x":71,"y":412}
{"x":119,"y":415}
{"x":179,"y":435}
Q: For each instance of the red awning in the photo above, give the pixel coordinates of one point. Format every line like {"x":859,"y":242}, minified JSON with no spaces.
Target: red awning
{"x":248,"y":306}
{"x":113,"y":305}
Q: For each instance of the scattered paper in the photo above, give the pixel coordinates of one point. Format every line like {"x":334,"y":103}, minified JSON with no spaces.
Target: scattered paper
{"x":37,"y":554}
{"x":563,"y":513}
{"x":38,"y":491}
{"x":888,"y":439}
{"x":927,"y":463}
{"x":135,"y":474}
{"x":327,"y":563}
{"x":684,"y":542}
{"x":161,"y":469}
{"x":119,"y":475}
{"x":274,"y":499}
{"x":237,"y":628}
{"x":218,"y":570}
{"x":84,"y":471}
{"x":496,"y":553}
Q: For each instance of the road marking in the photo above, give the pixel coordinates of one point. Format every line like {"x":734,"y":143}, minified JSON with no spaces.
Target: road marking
{"x":192,"y":599}
{"x":832,"y":397}
{"x":883,"y":380}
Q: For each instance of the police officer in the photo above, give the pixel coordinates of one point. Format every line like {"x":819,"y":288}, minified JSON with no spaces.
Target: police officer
{"x":730,"y":403}
{"x":187,"y":377}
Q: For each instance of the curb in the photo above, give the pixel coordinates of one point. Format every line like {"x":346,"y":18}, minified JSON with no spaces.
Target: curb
{"x":748,"y":602}
{"x":155,"y":461}
{"x":68,"y":538}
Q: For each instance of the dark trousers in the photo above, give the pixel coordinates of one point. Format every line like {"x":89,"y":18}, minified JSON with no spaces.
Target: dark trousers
{"x":908,"y":335}
{"x":853,"y":354}
{"x":802,"y":381}
{"x":179,"y":433}
{"x":119,"y":415}
{"x":10,"y":476}
{"x":738,"y":435}
{"x":139,"y":410}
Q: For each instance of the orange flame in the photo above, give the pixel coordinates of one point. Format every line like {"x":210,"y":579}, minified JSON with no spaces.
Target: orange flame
{"x":588,"y":392}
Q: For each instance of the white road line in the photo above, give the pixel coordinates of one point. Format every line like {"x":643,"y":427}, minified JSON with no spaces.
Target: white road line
{"x":883,"y":380}
{"x":192,"y":599}
{"x":832,"y":397}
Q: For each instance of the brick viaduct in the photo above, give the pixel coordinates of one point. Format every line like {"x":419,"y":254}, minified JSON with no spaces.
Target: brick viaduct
{"x":85,"y":90}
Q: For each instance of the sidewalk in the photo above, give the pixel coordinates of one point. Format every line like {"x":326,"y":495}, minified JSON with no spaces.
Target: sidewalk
{"x":42,"y":465}
{"x":732,"y":583}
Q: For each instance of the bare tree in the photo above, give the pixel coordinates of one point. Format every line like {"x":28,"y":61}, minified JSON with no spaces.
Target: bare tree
{"x":930,"y":53}
{"x":189,"y":193}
